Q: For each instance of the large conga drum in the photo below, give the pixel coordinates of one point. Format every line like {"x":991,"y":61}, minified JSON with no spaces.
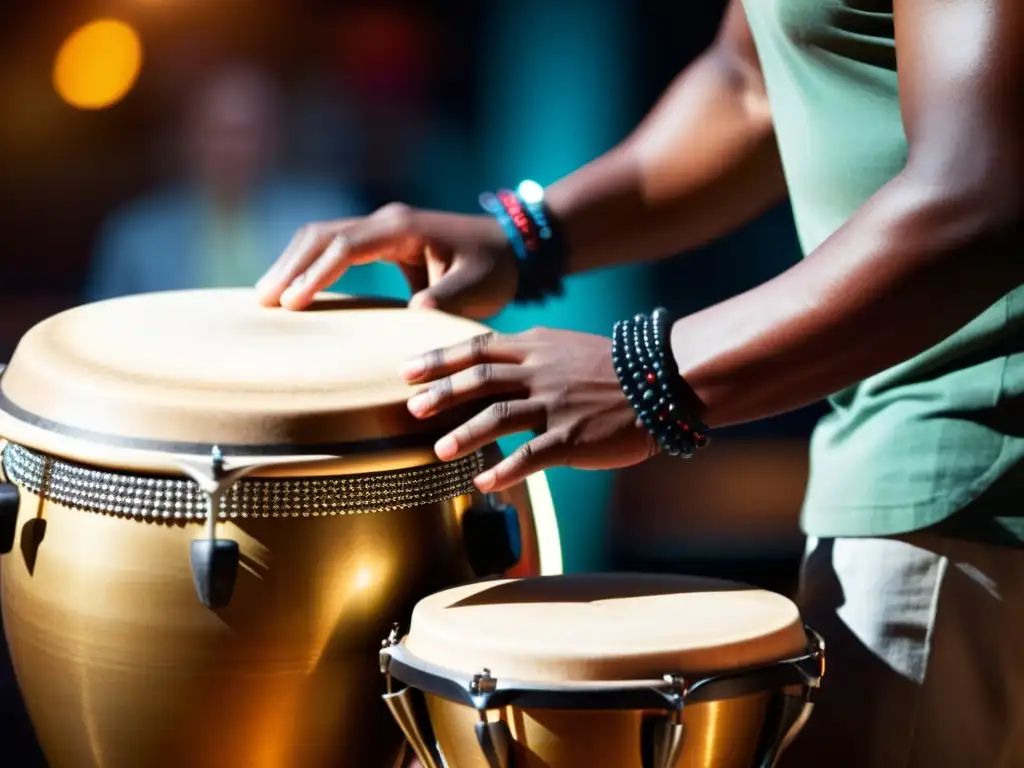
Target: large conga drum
{"x":623,"y":670}
{"x":213,"y":512}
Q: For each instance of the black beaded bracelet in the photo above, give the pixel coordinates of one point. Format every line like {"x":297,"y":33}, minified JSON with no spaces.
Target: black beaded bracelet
{"x":651,"y":382}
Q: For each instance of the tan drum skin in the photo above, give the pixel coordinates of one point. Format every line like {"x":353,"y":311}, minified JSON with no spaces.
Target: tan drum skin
{"x":120,"y":664}
{"x":580,"y":629}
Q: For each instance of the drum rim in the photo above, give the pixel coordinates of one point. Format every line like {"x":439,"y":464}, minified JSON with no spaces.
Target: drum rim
{"x":374,"y":426}
{"x":408,"y":441}
{"x":126,"y":453}
{"x":482,"y":692}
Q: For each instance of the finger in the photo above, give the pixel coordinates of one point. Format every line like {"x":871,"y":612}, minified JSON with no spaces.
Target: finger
{"x":308,"y":243}
{"x":544,"y":451}
{"x":383,"y":236}
{"x":485,"y":348}
{"x":322,"y":273}
{"x":479,"y":381}
{"x":452,"y":290}
{"x":415,"y":276}
{"x":501,"y":418}
{"x":436,"y":265}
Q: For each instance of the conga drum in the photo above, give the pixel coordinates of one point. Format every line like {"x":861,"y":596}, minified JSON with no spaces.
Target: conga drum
{"x":212,"y":513}
{"x":588,"y":671}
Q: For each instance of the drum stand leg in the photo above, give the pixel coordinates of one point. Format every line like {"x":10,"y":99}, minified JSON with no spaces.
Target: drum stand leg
{"x":495,"y":741}
{"x":408,"y":709}
{"x":662,"y":741}
{"x":788,"y":713}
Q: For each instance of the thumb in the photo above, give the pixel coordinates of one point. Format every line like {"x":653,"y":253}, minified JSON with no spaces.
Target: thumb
{"x":457,"y":291}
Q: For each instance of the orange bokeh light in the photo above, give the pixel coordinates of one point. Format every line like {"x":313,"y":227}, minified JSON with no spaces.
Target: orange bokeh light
{"x":97,"y":64}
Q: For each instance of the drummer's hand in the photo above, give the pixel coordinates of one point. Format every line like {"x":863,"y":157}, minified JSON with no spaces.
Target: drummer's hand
{"x":460,"y":264}
{"x":557,"y":383}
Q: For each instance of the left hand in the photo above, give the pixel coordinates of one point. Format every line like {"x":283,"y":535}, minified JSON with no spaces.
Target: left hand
{"x":557,"y":383}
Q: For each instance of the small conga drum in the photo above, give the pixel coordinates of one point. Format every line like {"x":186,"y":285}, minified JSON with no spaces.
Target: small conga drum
{"x":630,"y":671}
{"x":212,"y":513}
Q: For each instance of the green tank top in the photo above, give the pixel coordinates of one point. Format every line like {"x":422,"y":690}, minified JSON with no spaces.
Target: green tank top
{"x":937,"y":438}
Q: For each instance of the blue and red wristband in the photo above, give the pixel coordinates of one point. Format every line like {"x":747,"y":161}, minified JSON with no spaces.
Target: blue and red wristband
{"x":534,"y":236}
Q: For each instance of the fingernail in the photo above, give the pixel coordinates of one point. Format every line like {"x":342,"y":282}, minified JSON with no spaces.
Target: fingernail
{"x":422,"y":300}
{"x":413,"y":369}
{"x":485,"y":481}
{"x":446,"y":448}
{"x":418,"y":404}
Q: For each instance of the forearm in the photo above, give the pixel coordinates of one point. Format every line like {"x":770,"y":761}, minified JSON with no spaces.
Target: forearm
{"x":703,"y":163}
{"x":904,"y":273}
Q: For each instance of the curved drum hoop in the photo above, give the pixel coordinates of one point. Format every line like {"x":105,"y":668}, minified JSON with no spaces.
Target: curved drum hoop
{"x":170,"y":603}
{"x":481,"y":720}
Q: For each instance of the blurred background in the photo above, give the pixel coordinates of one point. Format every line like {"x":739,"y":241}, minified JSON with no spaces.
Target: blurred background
{"x":155,"y":144}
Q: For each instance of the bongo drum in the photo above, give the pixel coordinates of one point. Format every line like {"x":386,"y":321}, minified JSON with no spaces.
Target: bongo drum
{"x":213,"y":511}
{"x":630,"y":671}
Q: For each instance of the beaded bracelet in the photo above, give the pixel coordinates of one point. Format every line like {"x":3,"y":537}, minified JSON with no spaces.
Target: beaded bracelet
{"x":533,"y":235}
{"x":651,"y":382}
{"x":490,"y":203}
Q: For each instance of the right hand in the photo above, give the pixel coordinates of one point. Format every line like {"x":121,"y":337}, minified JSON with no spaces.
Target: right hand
{"x":455,"y":263}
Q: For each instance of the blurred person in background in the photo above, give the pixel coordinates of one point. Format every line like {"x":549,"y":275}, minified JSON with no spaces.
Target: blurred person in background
{"x":226,"y":222}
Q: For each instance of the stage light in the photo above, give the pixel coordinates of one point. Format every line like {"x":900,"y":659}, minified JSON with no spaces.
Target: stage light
{"x":97,"y":64}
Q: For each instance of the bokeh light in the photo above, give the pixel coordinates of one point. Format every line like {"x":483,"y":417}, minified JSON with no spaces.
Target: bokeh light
{"x":97,"y":64}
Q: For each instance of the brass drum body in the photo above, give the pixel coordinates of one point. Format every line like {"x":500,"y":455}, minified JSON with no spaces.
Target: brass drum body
{"x":577,"y":685}
{"x":122,"y":665}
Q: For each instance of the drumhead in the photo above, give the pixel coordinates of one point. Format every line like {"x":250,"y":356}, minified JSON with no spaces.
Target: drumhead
{"x":604,"y":627}
{"x":183,"y":371}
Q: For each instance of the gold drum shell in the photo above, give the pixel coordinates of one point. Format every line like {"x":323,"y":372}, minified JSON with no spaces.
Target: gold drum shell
{"x":723,"y":734}
{"x":121,"y":666}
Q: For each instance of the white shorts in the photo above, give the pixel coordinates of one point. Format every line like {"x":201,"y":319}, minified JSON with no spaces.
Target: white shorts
{"x":924,"y":639}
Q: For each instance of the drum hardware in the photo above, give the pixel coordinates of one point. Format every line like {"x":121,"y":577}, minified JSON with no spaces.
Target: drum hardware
{"x":214,"y":561}
{"x":493,"y":537}
{"x":10,"y":502}
{"x":661,"y":738}
{"x":494,"y":737}
{"x":10,"y":499}
{"x":409,"y":710}
{"x":788,"y":712}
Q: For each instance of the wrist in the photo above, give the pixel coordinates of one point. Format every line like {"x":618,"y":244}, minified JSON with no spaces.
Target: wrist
{"x":651,"y":382}
{"x":494,"y":241}
{"x":533,"y":235}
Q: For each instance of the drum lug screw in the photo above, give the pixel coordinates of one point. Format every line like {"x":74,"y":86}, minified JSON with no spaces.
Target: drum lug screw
{"x":385,"y":649}
{"x":482,"y":682}
{"x":676,"y":682}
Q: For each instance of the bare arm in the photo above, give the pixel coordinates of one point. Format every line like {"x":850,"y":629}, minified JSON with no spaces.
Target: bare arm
{"x":926,"y":254}
{"x":701,"y":164}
